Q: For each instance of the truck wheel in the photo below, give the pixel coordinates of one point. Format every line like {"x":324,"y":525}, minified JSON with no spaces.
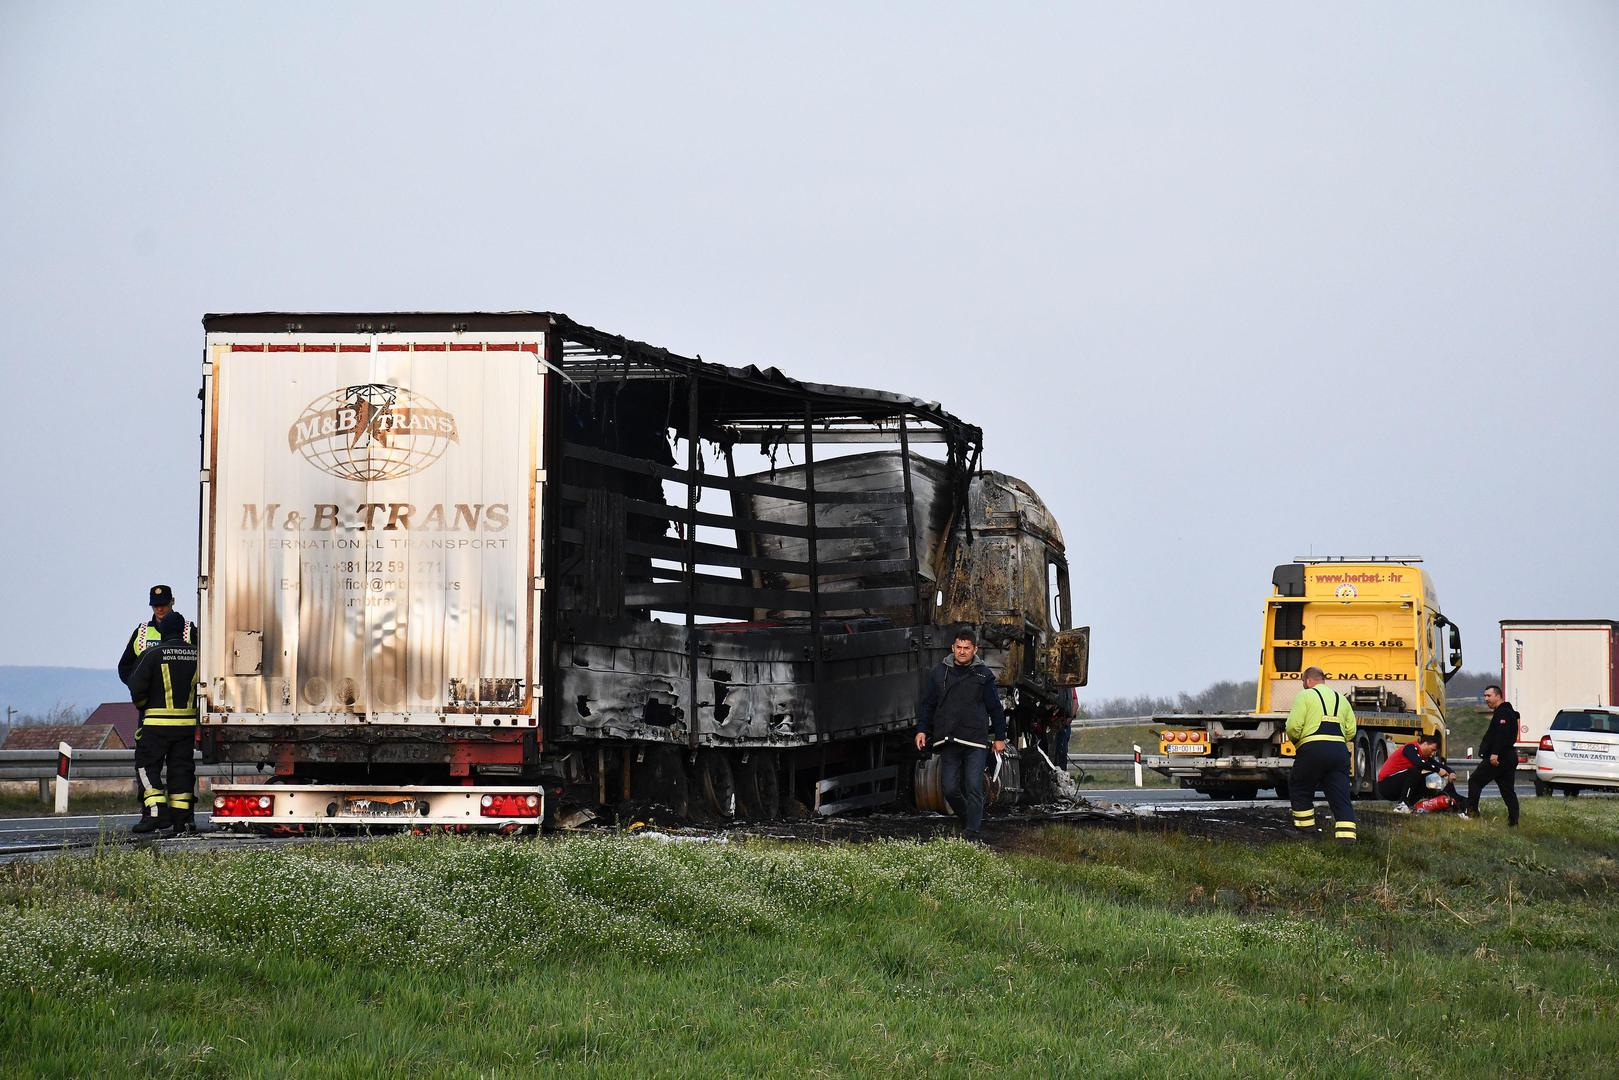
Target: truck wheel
{"x":758,"y":787}
{"x":659,"y":779}
{"x":1282,"y":789}
{"x":716,"y":783}
{"x":1360,"y":759}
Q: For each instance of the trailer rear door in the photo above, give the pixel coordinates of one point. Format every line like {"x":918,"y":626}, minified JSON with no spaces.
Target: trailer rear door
{"x":370,"y":513}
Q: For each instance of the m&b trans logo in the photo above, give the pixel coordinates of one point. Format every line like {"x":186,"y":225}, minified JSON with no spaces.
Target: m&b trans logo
{"x":372,"y":432}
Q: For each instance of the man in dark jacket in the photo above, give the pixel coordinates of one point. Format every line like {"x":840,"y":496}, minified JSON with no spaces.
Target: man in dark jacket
{"x":959,"y":709}
{"x":163,"y":687}
{"x":1498,"y":755}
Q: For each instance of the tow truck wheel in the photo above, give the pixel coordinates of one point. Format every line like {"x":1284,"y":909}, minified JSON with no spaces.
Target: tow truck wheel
{"x":1358,"y":768}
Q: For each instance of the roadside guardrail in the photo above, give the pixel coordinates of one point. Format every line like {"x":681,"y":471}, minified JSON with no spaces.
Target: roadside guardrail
{"x":60,"y":767}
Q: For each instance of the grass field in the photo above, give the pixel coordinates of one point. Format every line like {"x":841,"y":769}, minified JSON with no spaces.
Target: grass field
{"x":28,"y":804}
{"x":1438,"y":947}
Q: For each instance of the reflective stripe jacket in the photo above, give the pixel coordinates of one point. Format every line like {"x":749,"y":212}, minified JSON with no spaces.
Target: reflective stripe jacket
{"x":1320,"y":714}
{"x":144,"y":637}
{"x":164,"y":683}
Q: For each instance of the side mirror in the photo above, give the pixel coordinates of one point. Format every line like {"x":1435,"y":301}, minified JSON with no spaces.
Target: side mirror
{"x":1068,"y":657}
{"x":1455,"y":652}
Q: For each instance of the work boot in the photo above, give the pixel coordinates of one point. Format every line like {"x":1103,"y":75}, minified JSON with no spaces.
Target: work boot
{"x":154,"y":820}
{"x":182,"y":823}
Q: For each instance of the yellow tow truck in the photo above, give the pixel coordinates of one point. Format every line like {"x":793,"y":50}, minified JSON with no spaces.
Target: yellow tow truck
{"x":1372,"y":624}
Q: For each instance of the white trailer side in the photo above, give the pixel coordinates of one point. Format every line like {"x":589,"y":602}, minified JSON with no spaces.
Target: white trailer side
{"x":1549,"y":664}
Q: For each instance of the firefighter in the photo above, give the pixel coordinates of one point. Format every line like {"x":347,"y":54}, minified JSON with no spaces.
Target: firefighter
{"x":164,"y":689}
{"x":161,"y":597}
{"x":1322,"y":726}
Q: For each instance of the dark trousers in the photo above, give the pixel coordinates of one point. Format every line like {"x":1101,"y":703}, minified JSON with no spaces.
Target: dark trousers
{"x":1322,"y":766}
{"x":166,"y":769}
{"x":1406,"y":787}
{"x":1063,"y":735}
{"x":1502,"y":775}
{"x":961,"y":779}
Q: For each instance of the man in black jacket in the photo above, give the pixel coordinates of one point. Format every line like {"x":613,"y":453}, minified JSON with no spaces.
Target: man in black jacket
{"x":1498,"y":754}
{"x":958,"y":710}
{"x":163,"y":687}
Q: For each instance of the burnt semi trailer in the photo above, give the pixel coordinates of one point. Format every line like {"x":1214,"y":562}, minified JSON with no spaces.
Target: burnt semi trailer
{"x":467,"y":569}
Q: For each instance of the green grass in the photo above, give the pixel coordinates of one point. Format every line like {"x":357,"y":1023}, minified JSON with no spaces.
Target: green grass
{"x":28,"y":804}
{"x":1465,"y":727}
{"x":1437,"y":947}
{"x":1118,"y":740}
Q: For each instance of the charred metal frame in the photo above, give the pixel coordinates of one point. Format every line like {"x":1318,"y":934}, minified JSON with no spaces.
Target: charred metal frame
{"x":725,"y":406}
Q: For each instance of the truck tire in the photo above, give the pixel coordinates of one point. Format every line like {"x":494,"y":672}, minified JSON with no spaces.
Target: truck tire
{"x":715,"y":784}
{"x":1282,"y":789}
{"x":1359,"y":761}
{"x":1380,"y":758}
{"x":758,"y":787}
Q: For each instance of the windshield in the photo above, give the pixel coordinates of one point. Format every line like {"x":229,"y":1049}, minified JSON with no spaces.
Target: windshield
{"x":1587,"y":720}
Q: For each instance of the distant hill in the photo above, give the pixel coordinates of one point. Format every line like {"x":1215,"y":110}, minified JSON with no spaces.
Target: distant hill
{"x":38,"y":690}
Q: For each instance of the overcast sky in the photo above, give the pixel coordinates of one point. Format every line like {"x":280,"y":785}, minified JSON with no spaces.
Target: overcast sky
{"x":1227,"y":283}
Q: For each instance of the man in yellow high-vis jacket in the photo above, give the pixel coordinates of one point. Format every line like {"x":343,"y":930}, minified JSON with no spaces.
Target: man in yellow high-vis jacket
{"x":164,"y":689}
{"x":161,"y":598}
{"x":1322,"y":727}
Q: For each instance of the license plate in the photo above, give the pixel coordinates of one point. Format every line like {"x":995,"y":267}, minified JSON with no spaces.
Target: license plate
{"x":1185,"y":748}
{"x":379,"y":806}
{"x":1592,"y":747}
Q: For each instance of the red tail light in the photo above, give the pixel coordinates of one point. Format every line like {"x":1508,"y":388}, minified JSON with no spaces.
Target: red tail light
{"x":244,"y":805}
{"x":1545,"y":742}
{"x":509,"y":806}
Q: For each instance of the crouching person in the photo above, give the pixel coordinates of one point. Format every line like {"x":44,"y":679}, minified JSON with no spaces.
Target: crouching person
{"x":1412,"y":772}
{"x":960,"y":712}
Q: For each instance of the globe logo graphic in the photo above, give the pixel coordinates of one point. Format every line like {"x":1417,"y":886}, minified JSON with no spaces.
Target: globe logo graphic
{"x":372,"y":432}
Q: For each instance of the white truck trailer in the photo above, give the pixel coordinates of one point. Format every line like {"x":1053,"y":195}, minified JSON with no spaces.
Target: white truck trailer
{"x":1549,"y":664}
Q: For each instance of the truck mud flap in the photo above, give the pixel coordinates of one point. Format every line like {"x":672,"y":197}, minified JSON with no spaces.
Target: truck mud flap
{"x":874,"y":787}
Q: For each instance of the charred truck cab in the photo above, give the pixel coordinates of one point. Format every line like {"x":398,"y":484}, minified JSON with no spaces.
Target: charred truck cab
{"x":1373,"y":625}
{"x":466,"y":569}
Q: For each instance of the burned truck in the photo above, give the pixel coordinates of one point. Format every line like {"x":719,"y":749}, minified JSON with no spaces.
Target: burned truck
{"x":470,"y":569}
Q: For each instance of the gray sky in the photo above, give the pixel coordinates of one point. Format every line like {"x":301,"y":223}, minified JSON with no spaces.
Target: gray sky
{"x":1226,"y":283}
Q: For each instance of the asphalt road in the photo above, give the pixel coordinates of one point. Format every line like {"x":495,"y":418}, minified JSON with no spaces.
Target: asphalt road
{"x":33,"y":836}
